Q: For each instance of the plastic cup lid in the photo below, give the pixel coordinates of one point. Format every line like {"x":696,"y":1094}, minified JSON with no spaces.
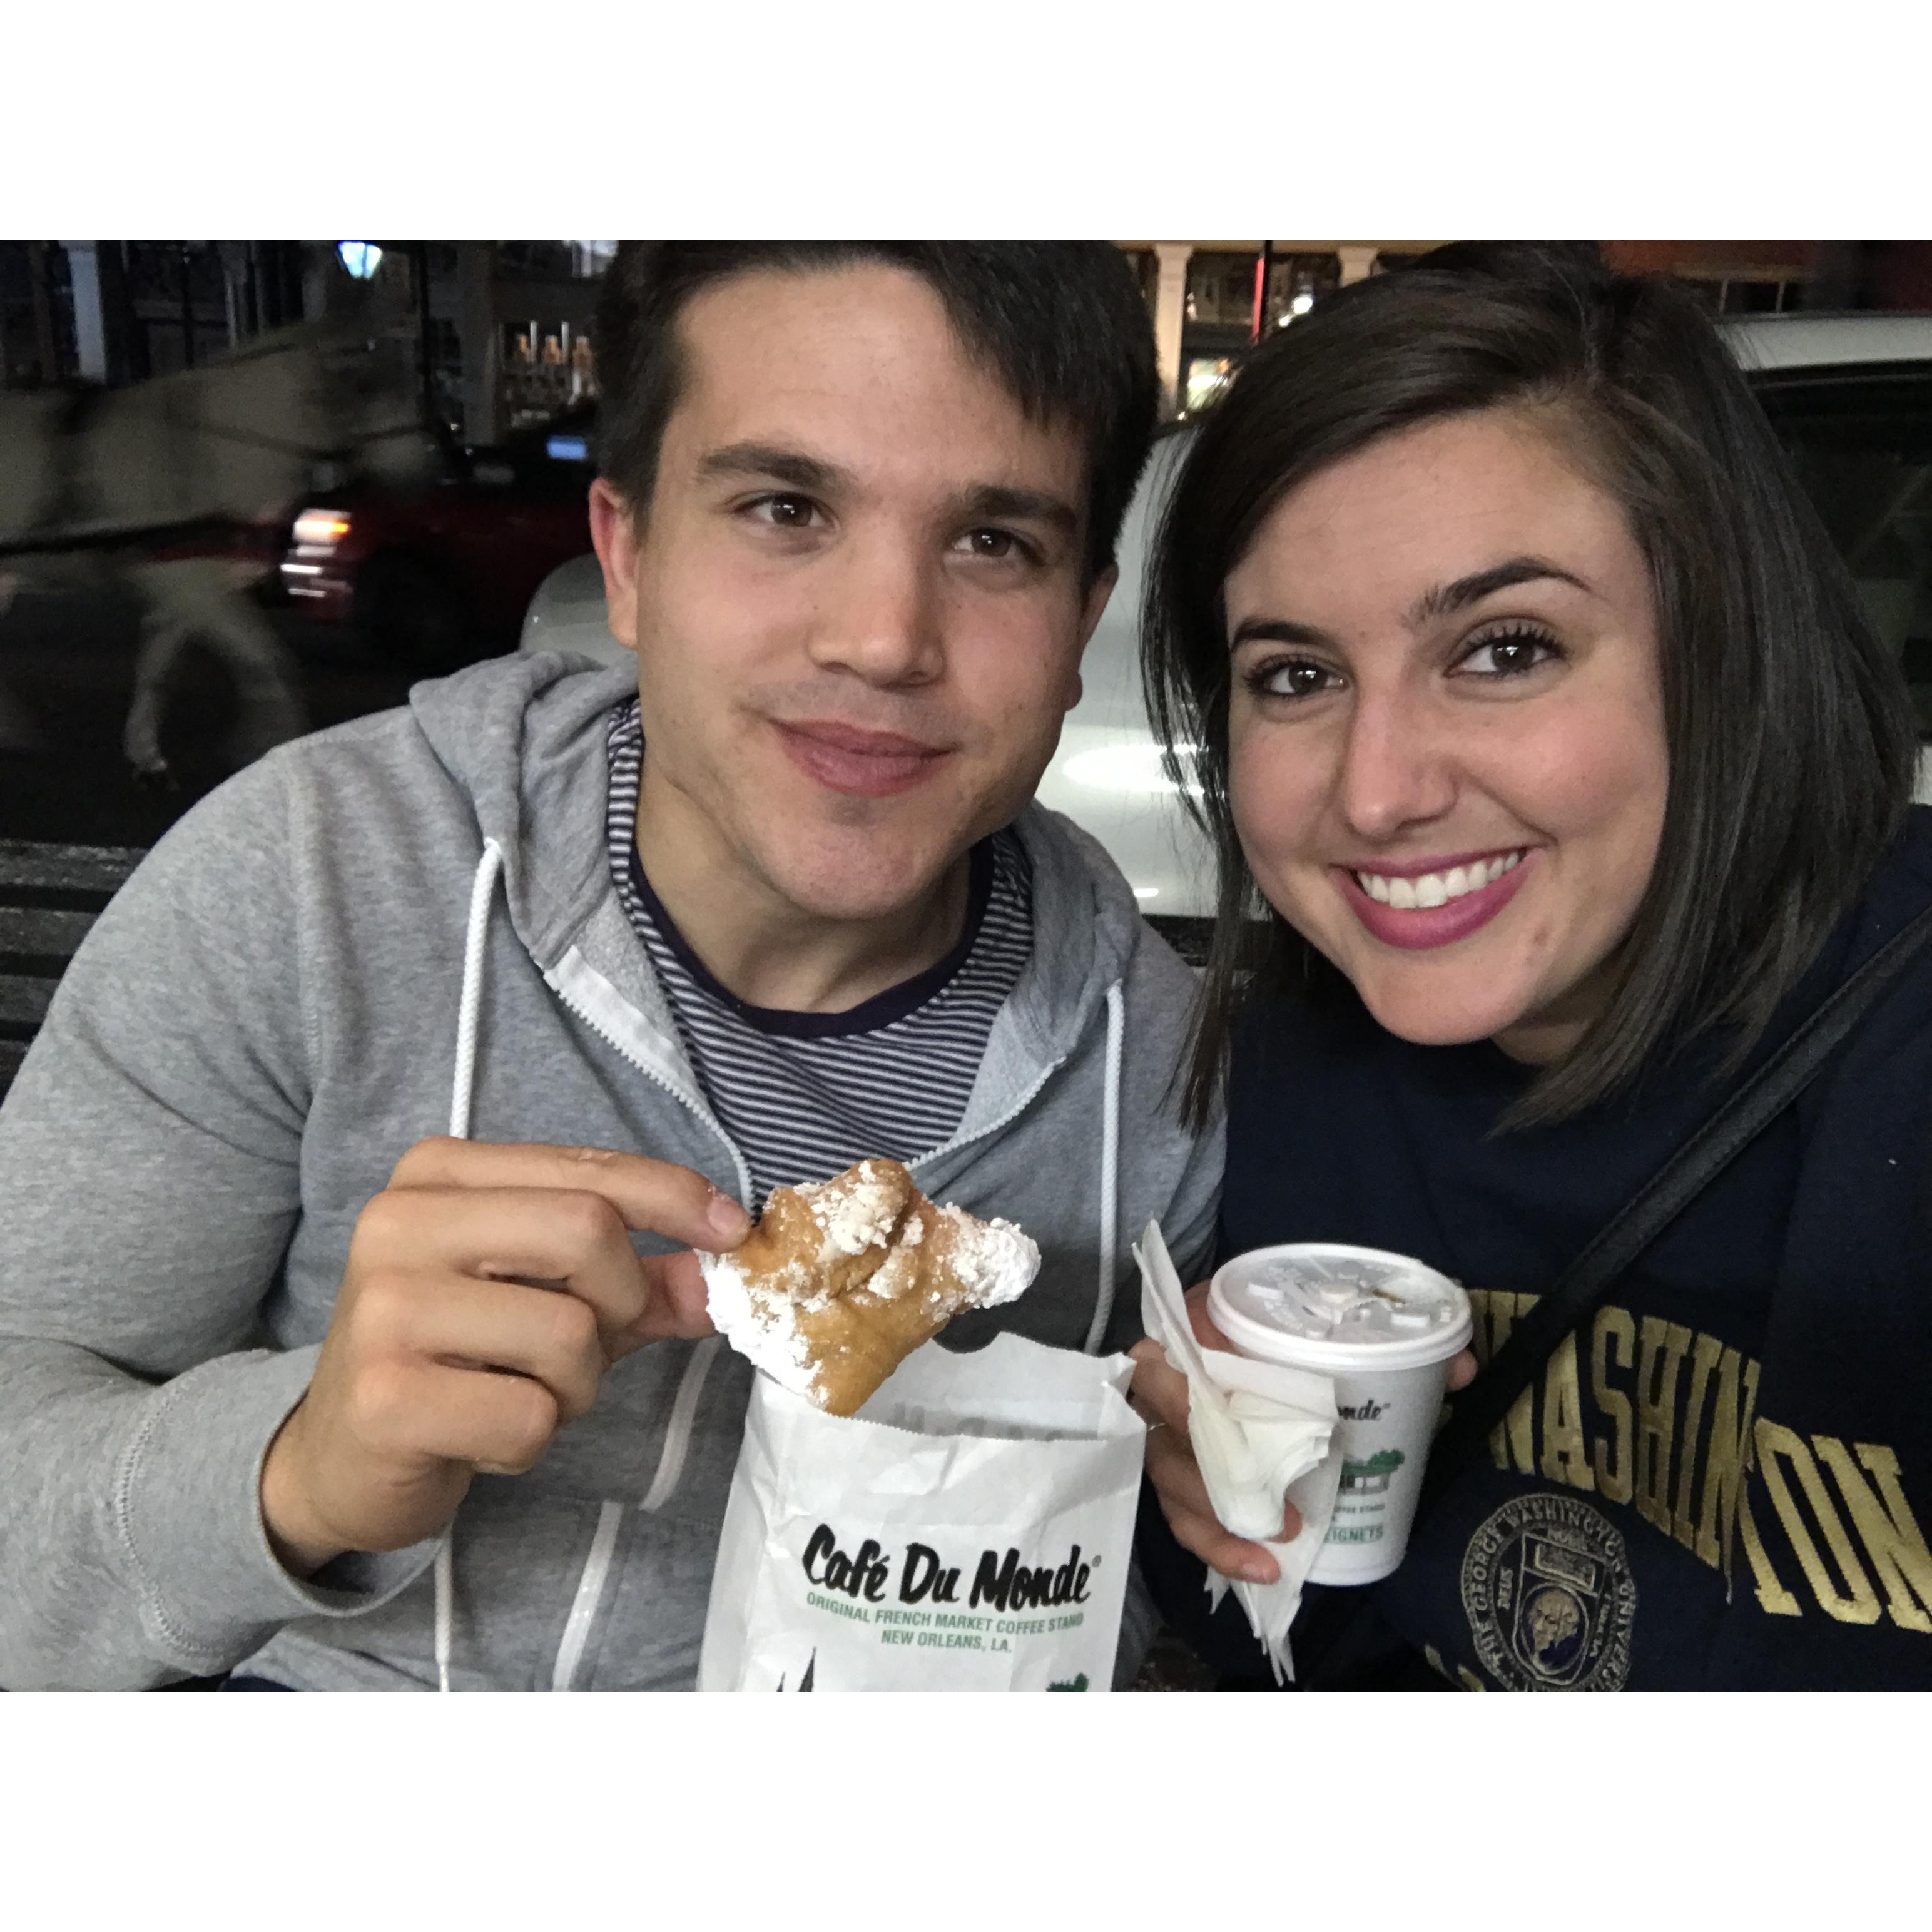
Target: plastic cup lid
{"x":1321,"y":1305}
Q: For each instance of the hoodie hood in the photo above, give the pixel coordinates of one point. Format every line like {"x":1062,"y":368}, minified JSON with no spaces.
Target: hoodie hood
{"x":524,"y":738}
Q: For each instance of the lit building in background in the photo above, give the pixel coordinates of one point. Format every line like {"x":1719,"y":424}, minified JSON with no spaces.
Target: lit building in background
{"x":1202,"y":294}
{"x":500,"y":333}
{"x":1209,"y":299}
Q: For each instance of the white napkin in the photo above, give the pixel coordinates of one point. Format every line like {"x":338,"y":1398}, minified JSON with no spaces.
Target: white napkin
{"x":1260,"y":1432}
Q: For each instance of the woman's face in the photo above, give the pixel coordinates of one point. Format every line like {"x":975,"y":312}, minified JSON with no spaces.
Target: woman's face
{"x":1446,"y":729}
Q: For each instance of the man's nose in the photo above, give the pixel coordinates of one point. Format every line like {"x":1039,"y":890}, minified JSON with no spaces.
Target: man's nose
{"x":881,"y":617}
{"x":1396,"y":769}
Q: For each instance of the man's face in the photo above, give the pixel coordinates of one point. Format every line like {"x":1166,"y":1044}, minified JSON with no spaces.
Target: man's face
{"x":856,"y":596}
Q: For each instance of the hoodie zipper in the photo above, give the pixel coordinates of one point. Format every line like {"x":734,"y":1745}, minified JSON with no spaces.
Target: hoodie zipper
{"x":683,"y":1095}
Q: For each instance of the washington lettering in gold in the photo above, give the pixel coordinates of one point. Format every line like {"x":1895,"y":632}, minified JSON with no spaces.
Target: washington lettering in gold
{"x":1668,"y":1422}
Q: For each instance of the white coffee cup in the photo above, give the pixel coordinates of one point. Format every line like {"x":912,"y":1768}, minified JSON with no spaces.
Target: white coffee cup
{"x":1383,"y":1327}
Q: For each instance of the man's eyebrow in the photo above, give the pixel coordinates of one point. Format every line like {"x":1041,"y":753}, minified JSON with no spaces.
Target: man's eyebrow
{"x":1447,"y":598}
{"x":1006,"y":499}
{"x":769,"y":462}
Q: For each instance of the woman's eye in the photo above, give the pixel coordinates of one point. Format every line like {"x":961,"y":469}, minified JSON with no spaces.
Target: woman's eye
{"x":1508,"y":655}
{"x":1294,"y":677}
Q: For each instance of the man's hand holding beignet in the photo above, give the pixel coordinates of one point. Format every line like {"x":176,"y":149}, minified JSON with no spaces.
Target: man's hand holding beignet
{"x":488,"y":1289}
{"x":1160,"y":1394}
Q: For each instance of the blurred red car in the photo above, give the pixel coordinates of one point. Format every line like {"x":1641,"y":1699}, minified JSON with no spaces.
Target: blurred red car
{"x":441,"y":575}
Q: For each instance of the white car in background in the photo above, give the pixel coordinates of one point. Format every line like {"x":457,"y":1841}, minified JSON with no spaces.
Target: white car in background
{"x":1850,"y":395}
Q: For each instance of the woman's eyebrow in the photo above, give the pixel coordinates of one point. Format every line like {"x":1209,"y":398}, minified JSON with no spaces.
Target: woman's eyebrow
{"x":1447,"y":599}
{"x":1277,"y":631}
{"x":1444,"y":601}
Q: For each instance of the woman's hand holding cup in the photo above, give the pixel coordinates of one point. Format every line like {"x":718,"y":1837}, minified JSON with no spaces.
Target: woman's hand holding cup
{"x":1160,"y":1393}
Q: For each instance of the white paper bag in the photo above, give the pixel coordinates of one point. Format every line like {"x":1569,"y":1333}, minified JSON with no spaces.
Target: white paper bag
{"x":969,"y":1529}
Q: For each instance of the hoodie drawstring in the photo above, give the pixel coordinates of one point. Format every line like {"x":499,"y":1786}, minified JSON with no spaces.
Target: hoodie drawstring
{"x":1110,"y":1168}
{"x":677,"y":1433}
{"x":469,"y":1013}
{"x":589,"y":1590}
{"x":468,"y":1017}
{"x":603,"y":1546}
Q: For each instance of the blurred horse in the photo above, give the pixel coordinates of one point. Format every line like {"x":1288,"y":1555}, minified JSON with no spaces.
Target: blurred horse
{"x":152,"y":484}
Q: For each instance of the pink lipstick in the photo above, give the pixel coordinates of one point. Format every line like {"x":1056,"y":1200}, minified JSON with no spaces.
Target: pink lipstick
{"x":1423,"y":927}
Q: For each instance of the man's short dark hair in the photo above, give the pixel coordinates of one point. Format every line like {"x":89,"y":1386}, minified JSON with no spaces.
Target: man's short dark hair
{"x":1062,"y":324}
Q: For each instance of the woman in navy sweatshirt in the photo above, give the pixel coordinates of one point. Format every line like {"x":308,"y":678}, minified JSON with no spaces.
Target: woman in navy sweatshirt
{"x":1531,"y":704}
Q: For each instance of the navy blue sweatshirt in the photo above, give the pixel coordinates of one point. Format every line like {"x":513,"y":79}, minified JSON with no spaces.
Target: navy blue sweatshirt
{"x":1721,"y":1480}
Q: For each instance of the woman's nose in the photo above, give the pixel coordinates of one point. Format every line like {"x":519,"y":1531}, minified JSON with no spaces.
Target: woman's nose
{"x":881,"y":619}
{"x":1394,"y":773}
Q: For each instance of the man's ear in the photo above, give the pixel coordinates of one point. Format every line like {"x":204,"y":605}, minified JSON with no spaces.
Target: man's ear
{"x":1098,"y":592}
{"x":613,"y":530}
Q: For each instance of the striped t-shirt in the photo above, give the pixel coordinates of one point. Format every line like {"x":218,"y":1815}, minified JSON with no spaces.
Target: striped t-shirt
{"x":805,"y":1095}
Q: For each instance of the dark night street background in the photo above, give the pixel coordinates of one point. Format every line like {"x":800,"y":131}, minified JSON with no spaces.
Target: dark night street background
{"x":69,"y":661}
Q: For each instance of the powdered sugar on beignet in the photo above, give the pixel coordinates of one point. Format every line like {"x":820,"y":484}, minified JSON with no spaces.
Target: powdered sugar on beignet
{"x":842,"y":1279}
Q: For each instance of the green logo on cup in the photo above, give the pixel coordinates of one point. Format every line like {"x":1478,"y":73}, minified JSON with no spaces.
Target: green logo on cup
{"x":1371,"y":1474}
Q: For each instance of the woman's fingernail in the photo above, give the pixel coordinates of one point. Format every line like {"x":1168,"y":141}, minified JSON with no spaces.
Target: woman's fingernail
{"x":728,"y":1218}
{"x":1256,"y":1571}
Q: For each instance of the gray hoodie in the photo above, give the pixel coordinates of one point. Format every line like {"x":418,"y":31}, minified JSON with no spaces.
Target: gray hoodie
{"x":364,"y":938}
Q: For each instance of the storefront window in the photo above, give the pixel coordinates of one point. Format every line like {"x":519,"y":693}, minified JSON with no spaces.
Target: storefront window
{"x":546,"y":369}
{"x":1221,"y":288}
{"x":1207,"y":377}
{"x":1296,"y":282}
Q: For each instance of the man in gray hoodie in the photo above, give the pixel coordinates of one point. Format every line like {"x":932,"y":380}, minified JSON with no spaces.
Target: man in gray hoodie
{"x":349,"y":1335}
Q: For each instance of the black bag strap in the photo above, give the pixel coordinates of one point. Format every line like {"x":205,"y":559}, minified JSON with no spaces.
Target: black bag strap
{"x":1475,"y":1411}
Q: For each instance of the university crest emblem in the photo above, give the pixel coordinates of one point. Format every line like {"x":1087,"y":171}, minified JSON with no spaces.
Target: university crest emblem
{"x":1547,"y":1588}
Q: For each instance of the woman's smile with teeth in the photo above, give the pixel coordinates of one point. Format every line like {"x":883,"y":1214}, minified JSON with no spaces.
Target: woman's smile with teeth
{"x":1435,"y":889}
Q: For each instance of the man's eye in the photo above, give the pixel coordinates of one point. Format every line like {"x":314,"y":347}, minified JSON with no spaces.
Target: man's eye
{"x":994,"y":545}
{"x":1290,"y":677}
{"x":786,"y":513}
